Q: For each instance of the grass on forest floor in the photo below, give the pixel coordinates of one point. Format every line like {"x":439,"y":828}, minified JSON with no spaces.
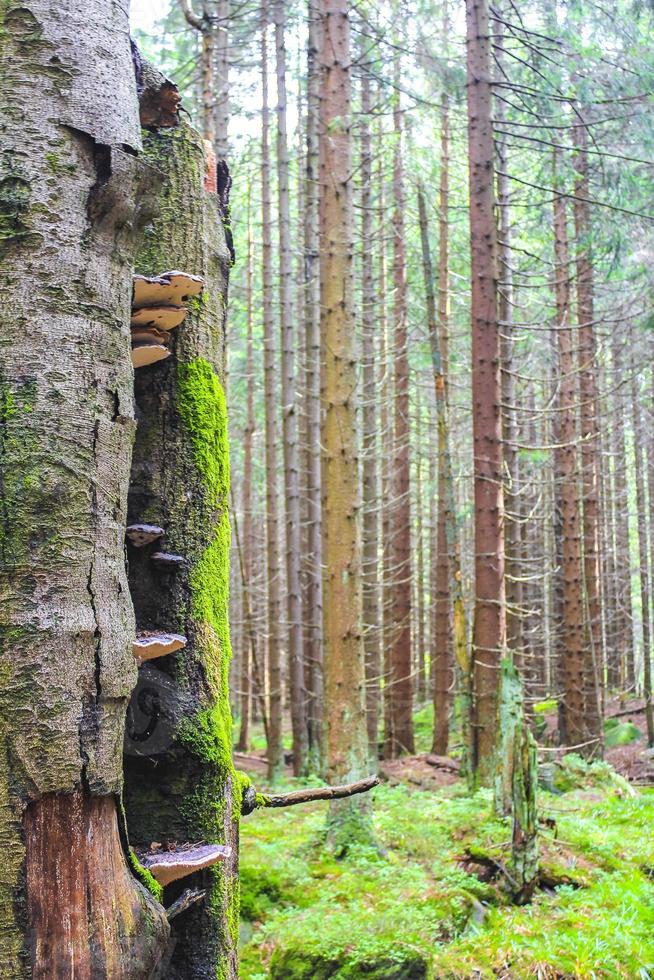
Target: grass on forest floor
{"x":411,"y":910}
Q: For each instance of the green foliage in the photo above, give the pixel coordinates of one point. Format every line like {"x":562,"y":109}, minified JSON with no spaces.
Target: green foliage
{"x":415,"y":910}
{"x":620,"y":733}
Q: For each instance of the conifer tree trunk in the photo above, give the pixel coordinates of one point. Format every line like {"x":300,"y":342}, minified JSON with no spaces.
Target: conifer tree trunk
{"x":313,"y":557}
{"x":70,"y":184}
{"x":400,"y":678}
{"x":641,"y":507}
{"x":247,"y":665}
{"x":622,"y":671}
{"x":449,"y":590}
{"x":371,"y":610}
{"x":571,"y":701}
{"x":345,"y":709}
{"x":274,"y":746}
{"x":289,"y":415}
{"x":589,"y":433}
{"x":489,"y":634}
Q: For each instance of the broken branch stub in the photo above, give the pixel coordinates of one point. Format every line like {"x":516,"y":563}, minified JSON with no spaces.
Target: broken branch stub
{"x":150,"y":645}
{"x":141,"y":534}
{"x":169,"y":866}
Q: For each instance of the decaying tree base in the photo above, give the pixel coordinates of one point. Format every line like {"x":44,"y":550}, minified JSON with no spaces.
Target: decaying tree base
{"x":88,"y":917}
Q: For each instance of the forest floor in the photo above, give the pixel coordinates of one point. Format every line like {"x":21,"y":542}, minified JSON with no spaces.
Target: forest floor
{"x":429,"y":902}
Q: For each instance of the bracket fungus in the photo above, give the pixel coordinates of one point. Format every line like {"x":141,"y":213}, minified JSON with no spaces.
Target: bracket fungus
{"x":163,"y":317}
{"x":146,"y":354}
{"x":150,"y":645}
{"x":158,"y":307}
{"x":168,"y":866}
{"x":141,"y":534}
{"x":165,"y":560}
{"x":168,"y":289}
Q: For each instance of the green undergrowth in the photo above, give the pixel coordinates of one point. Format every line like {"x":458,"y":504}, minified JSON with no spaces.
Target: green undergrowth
{"x":423,"y":905}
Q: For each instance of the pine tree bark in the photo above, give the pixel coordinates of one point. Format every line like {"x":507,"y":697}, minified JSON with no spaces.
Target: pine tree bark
{"x":589,"y":432}
{"x":289,"y":415}
{"x":572,"y":728}
{"x":400,"y":677}
{"x":70,"y":185}
{"x":641,"y":508}
{"x":369,"y":449}
{"x":489,"y":633}
{"x":313,"y":611}
{"x":345,"y":708}
{"x":274,"y":746}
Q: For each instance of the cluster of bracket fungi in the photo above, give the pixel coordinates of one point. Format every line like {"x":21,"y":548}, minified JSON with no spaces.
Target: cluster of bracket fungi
{"x":159,"y":306}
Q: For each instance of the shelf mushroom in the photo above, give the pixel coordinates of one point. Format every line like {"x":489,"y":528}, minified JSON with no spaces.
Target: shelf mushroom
{"x":165,"y":560}
{"x":141,"y":534}
{"x":149,"y":645}
{"x":158,"y":306}
{"x":168,"y":866}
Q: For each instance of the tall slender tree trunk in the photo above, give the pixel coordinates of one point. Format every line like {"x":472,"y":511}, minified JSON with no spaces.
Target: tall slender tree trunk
{"x":571,"y":704}
{"x":419,"y":563}
{"x":489,"y":634}
{"x":289,"y":415}
{"x":247,"y":665}
{"x":313,"y":557}
{"x":589,"y":433}
{"x":622,"y":658}
{"x":345,"y":706}
{"x":449,"y":590}
{"x":221,"y":95}
{"x":509,"y":418}
{"x":400,"y":679}
{"x":641,"y":507}
{"x":275,"y":761}
{"x":371,"y":610}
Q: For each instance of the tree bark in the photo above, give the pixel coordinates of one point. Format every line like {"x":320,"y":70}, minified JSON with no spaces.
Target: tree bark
{"x":275,"y":761}
{"x":400,"y":677}
{"x":70,"y":183}
{"x":369,"y":449}
{"x":590,"y":438}
{"x":345,"y":710}
{"x":571,"y":704}
{"x":313,"y":557}
{"x":179,"y":779}
{"x":289,"y":415}
{"x":489,"y":634}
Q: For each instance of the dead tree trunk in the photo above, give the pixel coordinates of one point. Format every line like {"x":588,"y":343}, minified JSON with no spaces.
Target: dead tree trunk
{"x":179,"y":779}
{"x":489,"y":634}
{"x":71,"y":181}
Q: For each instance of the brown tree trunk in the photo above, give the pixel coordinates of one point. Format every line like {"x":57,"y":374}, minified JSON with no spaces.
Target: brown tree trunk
{"x":489,"y":634}
{"x":247,"y":665}
{"x":345,"y":707}
{"x":571,"y":704}
{"x":400,"y":678}
{"x":641,"y":507}
{"x":289,"y":415}
{"x":313,"y":557}
{"x":590,"y":440}
{"x":71,"y":181}
{"x":369,"y":448}
{"x":275,"y":761}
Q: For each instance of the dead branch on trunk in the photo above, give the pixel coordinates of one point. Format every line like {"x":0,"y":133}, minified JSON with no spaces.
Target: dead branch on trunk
{"x":263,"y":800}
